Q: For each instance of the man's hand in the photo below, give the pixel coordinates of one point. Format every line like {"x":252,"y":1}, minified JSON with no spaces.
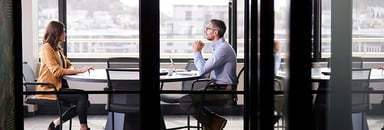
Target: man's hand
{"x":197,"y":46}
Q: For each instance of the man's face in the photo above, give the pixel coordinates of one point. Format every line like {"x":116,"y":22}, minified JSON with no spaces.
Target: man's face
{"x":210,"y":32}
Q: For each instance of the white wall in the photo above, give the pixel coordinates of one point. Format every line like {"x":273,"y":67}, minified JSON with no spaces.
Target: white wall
{"x":29,"y":32}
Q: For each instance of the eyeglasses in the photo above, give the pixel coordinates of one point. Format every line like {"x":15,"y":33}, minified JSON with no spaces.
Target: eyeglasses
{"x":208,"y":28}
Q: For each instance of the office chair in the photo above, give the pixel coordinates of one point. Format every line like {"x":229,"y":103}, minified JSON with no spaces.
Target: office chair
{"x":234,"y":89}
{"x":360,"y":101}
{"x":123,"y":62}
{"x":29,"y":86}
{"x":119,"y":62}
{"x":279,"y":104}
{"x":210,"y":84}
{"x":127,"y":103}
{"x":186,"y":85}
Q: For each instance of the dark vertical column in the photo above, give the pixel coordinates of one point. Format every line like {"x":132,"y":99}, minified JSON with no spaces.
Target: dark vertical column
{"x":317,"y":30}
{"x":339,"y":114}
{"x":233,"y":24}
{"x":250,"y":117}
{"x":63,"y":18}
{"x":253,"y":71}
{"x":266,"y":64}
{"x":17,"y":53}
{"x":299,"y":99}
{"x":149,"y":62}
{"x":230,"y":12}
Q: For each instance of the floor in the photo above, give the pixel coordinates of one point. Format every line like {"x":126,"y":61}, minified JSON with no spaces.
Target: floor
{"x":97,"y":122}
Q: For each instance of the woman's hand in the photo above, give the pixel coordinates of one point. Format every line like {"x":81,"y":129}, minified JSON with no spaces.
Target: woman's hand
{"x":72,"y":70}
{"x":86,"y":68}
{"x":380,"y":67}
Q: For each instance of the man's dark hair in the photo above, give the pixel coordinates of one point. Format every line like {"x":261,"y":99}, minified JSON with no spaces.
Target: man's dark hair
{"x":220,"y":25}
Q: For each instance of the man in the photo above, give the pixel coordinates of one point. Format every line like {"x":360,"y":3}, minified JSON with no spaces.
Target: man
{"x":223,"y":65}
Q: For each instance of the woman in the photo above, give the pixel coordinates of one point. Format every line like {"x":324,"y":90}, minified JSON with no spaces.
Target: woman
{"x":53,"y":66}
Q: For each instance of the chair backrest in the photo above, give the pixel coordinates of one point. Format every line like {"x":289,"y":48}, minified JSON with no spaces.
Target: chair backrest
{"x":123,"y":62}
{"x":118,"y":80}
{"x":357,"y":62}
{"x":30,"y":82}
{"x":28,"y":76}
{"x":234,"y":87}
{"x":360,"y":82}
{"x":240,"y":73}
{"x":278,"y":98}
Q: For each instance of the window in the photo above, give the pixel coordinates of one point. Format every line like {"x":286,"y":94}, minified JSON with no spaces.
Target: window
{"x":366,"y":29}
{"x":97,"y":31}
{"x":47,"y":10}
{"x":104,"y":28}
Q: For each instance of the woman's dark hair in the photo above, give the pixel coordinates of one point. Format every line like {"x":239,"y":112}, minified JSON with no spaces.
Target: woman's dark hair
{"x":220,"y":25}
{"x":52,"y":34}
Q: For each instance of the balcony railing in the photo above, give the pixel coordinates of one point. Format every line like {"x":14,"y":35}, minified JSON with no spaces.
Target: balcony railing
{"x":182,"y":48}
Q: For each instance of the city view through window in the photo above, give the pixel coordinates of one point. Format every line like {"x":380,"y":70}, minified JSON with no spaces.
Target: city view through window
{"x":367,"y":32}
{"x":107,"y":28}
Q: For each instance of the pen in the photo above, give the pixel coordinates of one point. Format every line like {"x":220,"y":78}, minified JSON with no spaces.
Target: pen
{"x":89,"y":72}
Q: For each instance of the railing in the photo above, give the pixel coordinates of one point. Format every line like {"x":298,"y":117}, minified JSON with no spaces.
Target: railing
{"x":182,"y":48}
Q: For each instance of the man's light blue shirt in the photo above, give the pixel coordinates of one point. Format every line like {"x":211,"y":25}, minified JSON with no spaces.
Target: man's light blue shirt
{"x":222,"y":62}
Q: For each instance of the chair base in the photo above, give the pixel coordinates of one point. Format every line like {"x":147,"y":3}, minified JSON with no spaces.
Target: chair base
{"x":184,"y":127}
{"x":188,"y":126}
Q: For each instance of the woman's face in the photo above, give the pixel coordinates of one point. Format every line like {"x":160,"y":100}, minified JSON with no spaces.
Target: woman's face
{"x":62,"y":37}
